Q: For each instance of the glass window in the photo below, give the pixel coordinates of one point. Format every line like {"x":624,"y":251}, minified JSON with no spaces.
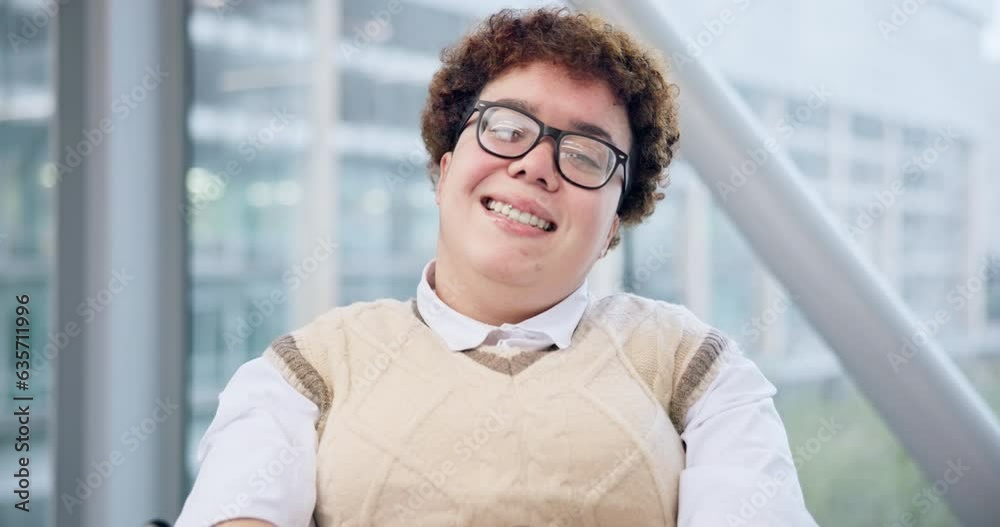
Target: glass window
{"x":993,"y":290}
{"x":253,"y":164}
{"x":648,"y":253}
{"x":812,"y":165}
{"x":245,"y":187}
{"x":866,"y":173}
{"x":915,"y":138}
{"x":426,"y":29}
{"x":866,"y":126}
{"x":357,"y":103}
{"x":805,"y":112}
{"x":27,"y":182}
{"x":733,"y":284}
{"x":755,"y":98}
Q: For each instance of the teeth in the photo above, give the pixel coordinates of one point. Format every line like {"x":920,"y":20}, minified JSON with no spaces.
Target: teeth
{"x":517,"y":215}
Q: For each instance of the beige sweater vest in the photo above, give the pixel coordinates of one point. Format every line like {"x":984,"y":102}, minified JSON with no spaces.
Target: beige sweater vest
{"x":412,"y":434}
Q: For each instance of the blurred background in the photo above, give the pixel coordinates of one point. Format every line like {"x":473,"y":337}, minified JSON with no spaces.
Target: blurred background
{"x":888,"y":110}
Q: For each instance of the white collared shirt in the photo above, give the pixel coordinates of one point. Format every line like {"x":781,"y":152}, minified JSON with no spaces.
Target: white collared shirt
{"x":553,"y":326}
{"x":258,"y":457}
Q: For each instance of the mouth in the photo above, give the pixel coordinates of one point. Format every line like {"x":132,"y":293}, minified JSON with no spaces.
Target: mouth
{"x":505,"y":210}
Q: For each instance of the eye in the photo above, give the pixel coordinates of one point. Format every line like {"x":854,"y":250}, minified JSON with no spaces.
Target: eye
{"x":506,"y":131}
{"x":583,"y":155}
{"x":582,"y":160}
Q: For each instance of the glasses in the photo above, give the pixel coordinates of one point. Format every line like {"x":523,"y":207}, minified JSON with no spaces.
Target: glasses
{"x":509,"y":133}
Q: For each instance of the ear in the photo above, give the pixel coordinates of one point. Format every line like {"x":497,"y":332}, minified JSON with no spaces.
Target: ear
{"x":611,"y":234}
{"x":442,"y":172}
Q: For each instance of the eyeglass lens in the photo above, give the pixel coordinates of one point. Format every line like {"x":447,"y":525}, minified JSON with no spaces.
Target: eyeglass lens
{"x":509,"y":133}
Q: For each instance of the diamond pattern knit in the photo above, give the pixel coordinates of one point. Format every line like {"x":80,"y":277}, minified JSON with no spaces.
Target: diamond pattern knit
{"x":411,"y":434}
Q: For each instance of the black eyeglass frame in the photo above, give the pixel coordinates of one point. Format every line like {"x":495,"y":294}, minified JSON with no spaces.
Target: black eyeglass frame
{"x":621,"y":158}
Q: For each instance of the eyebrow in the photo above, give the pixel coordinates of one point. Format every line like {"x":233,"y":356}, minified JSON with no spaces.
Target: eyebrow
{"x":578,"y":126}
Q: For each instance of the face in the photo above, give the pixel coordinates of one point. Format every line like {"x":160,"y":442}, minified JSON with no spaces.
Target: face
{"x":549,"y":262}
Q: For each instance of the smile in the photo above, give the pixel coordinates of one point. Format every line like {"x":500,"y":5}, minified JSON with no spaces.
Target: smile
{"x":526,"y":218}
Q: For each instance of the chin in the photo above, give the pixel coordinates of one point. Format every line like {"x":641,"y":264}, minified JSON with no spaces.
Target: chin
{"x":498,"y":263}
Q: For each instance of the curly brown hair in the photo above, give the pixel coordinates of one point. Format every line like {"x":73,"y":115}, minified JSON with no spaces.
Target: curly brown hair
{"x":584,"y":44}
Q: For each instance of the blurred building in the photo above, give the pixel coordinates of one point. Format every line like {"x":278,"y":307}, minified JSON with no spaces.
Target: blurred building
{"x":251,"y":61}
{"x":25,"y":235}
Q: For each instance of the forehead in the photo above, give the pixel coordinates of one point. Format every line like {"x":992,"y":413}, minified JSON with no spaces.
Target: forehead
{"x":554,"y":96}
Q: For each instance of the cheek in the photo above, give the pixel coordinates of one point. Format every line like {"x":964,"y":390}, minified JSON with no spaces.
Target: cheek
{"x":469,"y":169}
{"x":458,"y":190}
{"x":589,"y":216}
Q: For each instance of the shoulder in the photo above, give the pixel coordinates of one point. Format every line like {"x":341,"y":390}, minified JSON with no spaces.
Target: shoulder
{"x":667,"y":334}
{"x":639,"y":313}
{"x":320,"y":332}
{"x":677,"y":353}
{"x":304,"y":355}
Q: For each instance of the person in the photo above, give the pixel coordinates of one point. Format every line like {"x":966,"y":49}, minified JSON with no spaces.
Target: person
{"x":503,"y":393}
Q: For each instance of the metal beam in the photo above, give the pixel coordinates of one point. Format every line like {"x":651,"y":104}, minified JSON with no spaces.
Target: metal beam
{"x":120,"y":281}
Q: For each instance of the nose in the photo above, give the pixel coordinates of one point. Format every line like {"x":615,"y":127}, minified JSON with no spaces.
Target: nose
{"x":538,"y":165}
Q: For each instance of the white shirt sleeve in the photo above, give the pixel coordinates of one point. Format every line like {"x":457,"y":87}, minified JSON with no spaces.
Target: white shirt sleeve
{"x":739,"y":468}
{"x":258,"y":457}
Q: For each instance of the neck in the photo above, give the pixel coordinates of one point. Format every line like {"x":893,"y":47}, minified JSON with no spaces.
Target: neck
{"x":483,"y":298}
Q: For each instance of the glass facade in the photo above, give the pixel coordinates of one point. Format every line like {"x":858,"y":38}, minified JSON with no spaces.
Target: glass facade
{"x":26,"y":236}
